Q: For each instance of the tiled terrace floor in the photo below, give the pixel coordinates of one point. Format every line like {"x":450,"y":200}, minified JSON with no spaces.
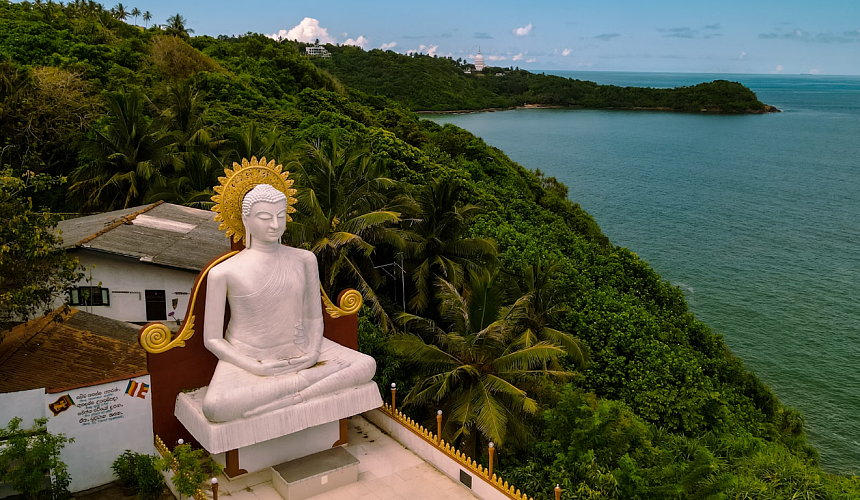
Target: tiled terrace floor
{"x":387,"y":471}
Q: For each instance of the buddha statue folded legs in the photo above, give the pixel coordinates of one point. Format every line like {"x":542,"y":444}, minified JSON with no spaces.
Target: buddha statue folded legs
{"x":235,"y":393}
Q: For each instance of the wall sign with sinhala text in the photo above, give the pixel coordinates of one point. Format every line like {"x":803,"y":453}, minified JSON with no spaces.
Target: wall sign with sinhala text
{"x":98,"y":406}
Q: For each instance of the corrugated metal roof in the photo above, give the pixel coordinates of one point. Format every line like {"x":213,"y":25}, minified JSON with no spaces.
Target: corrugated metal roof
{"x":161,"y":233}
{"x":43,"y":353}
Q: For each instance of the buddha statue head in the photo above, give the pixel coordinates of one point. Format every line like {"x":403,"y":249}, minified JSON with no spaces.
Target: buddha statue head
{"x":264,"y":215}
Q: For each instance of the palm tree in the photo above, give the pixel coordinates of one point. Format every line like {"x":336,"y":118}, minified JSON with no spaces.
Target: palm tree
{"x":343,"y":212}
{"x":147,"y":16}
{"x":435,"y":247}
{"x":251,"y":141}
{"x":176,"y":26}
{"x":471,"y":370}
{"x":119,"y":12}
{"x":529,"y":318}
{"x":135,"y":13}
{"x":191,"y":185}
{"x":127,"y":157}
{"x":186,"y":117}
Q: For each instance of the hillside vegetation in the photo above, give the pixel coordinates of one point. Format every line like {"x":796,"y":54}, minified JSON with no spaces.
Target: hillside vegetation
{"x":425,"y":83}
{"x":598,"y":376}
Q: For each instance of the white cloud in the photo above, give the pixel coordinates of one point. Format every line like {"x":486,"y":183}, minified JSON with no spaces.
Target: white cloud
{"x":815,"y":71}
{"x":497,"y":58}
{"x":531,"y":60}
{"x":359,"y":42}
{"x":524,"y":31}
{"x":518,"y":57}
{"x":306,"y":31}
{"x":345,"y":34}
{"x":566,"y":52}
{"x":388,"y":46}
{"x":430,"y":50}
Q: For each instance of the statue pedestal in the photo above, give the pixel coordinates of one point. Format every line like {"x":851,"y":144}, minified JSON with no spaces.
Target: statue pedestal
{"x":278,"y":436}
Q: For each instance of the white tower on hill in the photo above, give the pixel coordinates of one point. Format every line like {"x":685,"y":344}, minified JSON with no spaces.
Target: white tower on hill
{"x":479,"y":61}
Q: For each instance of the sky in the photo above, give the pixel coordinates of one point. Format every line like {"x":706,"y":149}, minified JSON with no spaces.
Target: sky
{"x":730,"y":36}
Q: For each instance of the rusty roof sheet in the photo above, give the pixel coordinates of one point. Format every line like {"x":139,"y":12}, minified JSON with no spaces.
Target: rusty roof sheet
{"x":43,"y":353}
{"x":161,"y":233}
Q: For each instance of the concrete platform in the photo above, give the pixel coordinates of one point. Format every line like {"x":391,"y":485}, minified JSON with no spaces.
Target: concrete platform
{"x":386,"y":471}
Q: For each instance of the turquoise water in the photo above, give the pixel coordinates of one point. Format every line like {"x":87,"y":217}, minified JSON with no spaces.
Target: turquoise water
{"x":756,"y":218}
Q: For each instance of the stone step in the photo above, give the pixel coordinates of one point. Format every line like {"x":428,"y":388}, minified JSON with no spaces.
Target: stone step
{"x":314,"y":474}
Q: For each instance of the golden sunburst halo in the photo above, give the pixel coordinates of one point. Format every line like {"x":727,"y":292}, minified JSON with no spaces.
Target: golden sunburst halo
{"x":235,"y":185}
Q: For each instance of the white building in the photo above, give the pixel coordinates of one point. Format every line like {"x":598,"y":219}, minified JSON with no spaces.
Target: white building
{"x":141,"y":262}
{"x":479,"y":61}
{"x":317,"y":51}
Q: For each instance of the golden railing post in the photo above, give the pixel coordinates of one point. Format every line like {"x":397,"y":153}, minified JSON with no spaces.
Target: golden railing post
{"x":492,"y":453}
{"x":439,"y":427}
{"x":393,"y":398}
{"x":214,"y":488}
{"x":557,"y":492}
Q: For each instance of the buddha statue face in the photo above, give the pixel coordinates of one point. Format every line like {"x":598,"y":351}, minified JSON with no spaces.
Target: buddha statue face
{"x":264,"y":214}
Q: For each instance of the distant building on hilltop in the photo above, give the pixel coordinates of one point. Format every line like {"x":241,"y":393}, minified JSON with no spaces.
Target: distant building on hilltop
{"x":317,"y":51}
{"x":479,"y":62}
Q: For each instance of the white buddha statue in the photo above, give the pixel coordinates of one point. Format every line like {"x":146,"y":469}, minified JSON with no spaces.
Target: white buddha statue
{"x":273,"y":353}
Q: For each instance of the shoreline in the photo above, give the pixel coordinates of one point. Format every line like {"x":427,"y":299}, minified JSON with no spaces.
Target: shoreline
{"x":767,"y":109}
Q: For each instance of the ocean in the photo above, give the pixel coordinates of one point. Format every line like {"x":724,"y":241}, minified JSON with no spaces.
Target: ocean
{"x":755,"y":217}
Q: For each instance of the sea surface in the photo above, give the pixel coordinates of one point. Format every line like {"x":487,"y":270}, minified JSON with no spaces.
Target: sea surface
{"x":755,"y":217}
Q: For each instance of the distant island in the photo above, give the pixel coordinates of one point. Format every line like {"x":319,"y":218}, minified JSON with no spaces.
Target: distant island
{"x":426,"y":83}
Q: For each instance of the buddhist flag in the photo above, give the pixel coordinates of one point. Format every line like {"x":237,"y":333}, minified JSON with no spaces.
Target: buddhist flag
{"x":61,"y":405}
{"x":132,"y":386}
{"x":140,"y":388}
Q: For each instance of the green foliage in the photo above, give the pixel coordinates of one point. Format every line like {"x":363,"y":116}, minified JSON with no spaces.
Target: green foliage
{"x":140,"y":472}
{"x":124,"y":469}
{"x":469,"y":367}
{"x":30,"y":461}
{"x":597,"y":448}
{"x":343,"y":211}
{"x":150,"y":481}
{"x":124,"y":159}
{"x":192,"y":468}
{"x":436,"y":247}
{"x":33,"y":272}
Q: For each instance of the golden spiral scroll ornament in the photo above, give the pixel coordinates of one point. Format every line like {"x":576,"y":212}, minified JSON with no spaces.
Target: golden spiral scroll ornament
{"x":350,"y":303}
{"x":236,"y":184}
{"x":156,"y":338}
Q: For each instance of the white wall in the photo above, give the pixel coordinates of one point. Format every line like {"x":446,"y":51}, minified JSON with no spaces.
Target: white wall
{"x":104,"y":421}
{"x":28,"y":405}
{"x":126,"y":274}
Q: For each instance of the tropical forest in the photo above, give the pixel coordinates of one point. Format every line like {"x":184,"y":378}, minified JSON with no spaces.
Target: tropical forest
{"x":489,"y":294}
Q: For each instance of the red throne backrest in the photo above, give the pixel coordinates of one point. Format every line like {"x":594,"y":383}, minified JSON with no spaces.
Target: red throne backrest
{"x":191,"y":367}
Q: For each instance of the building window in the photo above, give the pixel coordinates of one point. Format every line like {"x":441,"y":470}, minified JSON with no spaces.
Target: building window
{"x":89,"y":296}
